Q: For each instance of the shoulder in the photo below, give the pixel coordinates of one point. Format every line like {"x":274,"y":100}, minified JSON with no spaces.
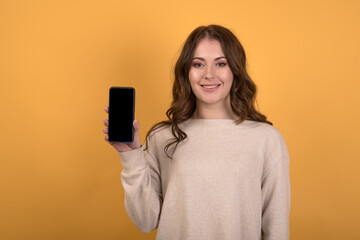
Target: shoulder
{"x":270,"y":140}
{"x":164,"y":129}
{"x":159,"y":134}
{"x":274,"y":145}
{"x":264,"y":130}
{"x":268,"y":130}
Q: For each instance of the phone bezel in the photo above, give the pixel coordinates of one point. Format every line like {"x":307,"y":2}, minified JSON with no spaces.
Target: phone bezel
{"x":133,"y":112}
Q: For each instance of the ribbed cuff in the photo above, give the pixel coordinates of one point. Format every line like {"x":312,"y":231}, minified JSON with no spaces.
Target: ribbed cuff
{"x":133,"y":160}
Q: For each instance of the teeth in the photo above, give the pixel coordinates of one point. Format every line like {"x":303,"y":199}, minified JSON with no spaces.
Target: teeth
{"x":213,"y":86}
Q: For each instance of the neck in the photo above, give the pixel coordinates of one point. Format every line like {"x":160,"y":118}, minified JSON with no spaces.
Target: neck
{"x":214,"y":111}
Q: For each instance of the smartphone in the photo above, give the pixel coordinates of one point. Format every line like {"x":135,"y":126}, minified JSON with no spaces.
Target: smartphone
{"x":121,"y":114}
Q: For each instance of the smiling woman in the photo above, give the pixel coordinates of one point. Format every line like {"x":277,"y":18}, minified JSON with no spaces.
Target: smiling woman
{"x":211,"y":55}
{"x":211,"y":80}
{"x":229,"y":176}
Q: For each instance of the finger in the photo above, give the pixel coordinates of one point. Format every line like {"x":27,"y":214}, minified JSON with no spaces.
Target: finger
{"x":106,"y":122}
{"x":136,"y":125}
{"x":106,"y":108}
{"x":107,"y":140}
{"x":105,"y":130}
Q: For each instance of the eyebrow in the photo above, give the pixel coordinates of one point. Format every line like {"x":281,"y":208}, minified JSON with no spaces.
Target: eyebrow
{"x":200,"y":58}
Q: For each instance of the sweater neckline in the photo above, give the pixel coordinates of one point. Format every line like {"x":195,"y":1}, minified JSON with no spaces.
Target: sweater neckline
{"x":215,"y":124}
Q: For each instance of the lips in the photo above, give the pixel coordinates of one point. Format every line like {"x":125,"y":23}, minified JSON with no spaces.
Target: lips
{"x":208,"y":86}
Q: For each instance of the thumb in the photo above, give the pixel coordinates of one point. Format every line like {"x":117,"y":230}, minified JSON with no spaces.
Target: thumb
{"x":136,"y":143}
{"x":136,"y":125}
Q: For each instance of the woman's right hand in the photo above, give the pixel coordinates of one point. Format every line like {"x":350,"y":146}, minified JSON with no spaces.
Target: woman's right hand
{"x":124,"y":147}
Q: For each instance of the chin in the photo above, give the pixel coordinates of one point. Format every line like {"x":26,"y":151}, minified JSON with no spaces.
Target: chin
{"x":214,"y":99}
{"x":211,"y":101}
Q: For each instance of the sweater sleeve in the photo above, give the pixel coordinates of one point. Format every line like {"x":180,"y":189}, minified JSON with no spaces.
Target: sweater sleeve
{"x":275,"y":190}
{"x":142,"y":187}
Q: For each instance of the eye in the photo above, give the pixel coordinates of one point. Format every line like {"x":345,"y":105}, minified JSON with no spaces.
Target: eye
{"x":197,"y":65}
{"x":221,"y":64}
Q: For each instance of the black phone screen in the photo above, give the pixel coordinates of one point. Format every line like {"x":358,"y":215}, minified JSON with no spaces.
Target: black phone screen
{"x":121,"y":114}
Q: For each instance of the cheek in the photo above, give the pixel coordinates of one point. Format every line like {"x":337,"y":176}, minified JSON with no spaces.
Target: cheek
{"x":228,"y":76}
{"x":194,"y":76}
{"x":192,"y":80}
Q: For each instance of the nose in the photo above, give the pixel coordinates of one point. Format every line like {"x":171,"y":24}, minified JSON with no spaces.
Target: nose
{"x":208,"y":74}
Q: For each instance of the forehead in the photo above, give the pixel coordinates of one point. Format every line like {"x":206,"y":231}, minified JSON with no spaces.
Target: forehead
{"x":208,"y":47}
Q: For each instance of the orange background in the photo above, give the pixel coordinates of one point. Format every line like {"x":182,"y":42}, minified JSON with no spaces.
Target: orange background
{"x":59,"y":179}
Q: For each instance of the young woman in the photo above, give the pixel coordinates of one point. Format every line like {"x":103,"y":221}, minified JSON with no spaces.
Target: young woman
{"x":217,"y":169}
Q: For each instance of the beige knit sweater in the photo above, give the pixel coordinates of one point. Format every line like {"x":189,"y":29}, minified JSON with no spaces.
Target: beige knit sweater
{"x":226,"y":182}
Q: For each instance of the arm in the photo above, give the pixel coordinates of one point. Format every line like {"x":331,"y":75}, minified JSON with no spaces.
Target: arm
{"x":275,"y":189}
{"x":142,"y":186}
{"x":140,"y":179}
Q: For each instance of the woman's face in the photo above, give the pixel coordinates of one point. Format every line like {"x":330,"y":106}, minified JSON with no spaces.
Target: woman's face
{"x":210,"y":75}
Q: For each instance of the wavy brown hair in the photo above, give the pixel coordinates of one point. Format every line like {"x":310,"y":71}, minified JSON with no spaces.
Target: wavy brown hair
{"x":242,"y":92}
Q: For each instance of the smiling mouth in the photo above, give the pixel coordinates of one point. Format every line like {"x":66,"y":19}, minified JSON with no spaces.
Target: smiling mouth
{"x":210,"y":86}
